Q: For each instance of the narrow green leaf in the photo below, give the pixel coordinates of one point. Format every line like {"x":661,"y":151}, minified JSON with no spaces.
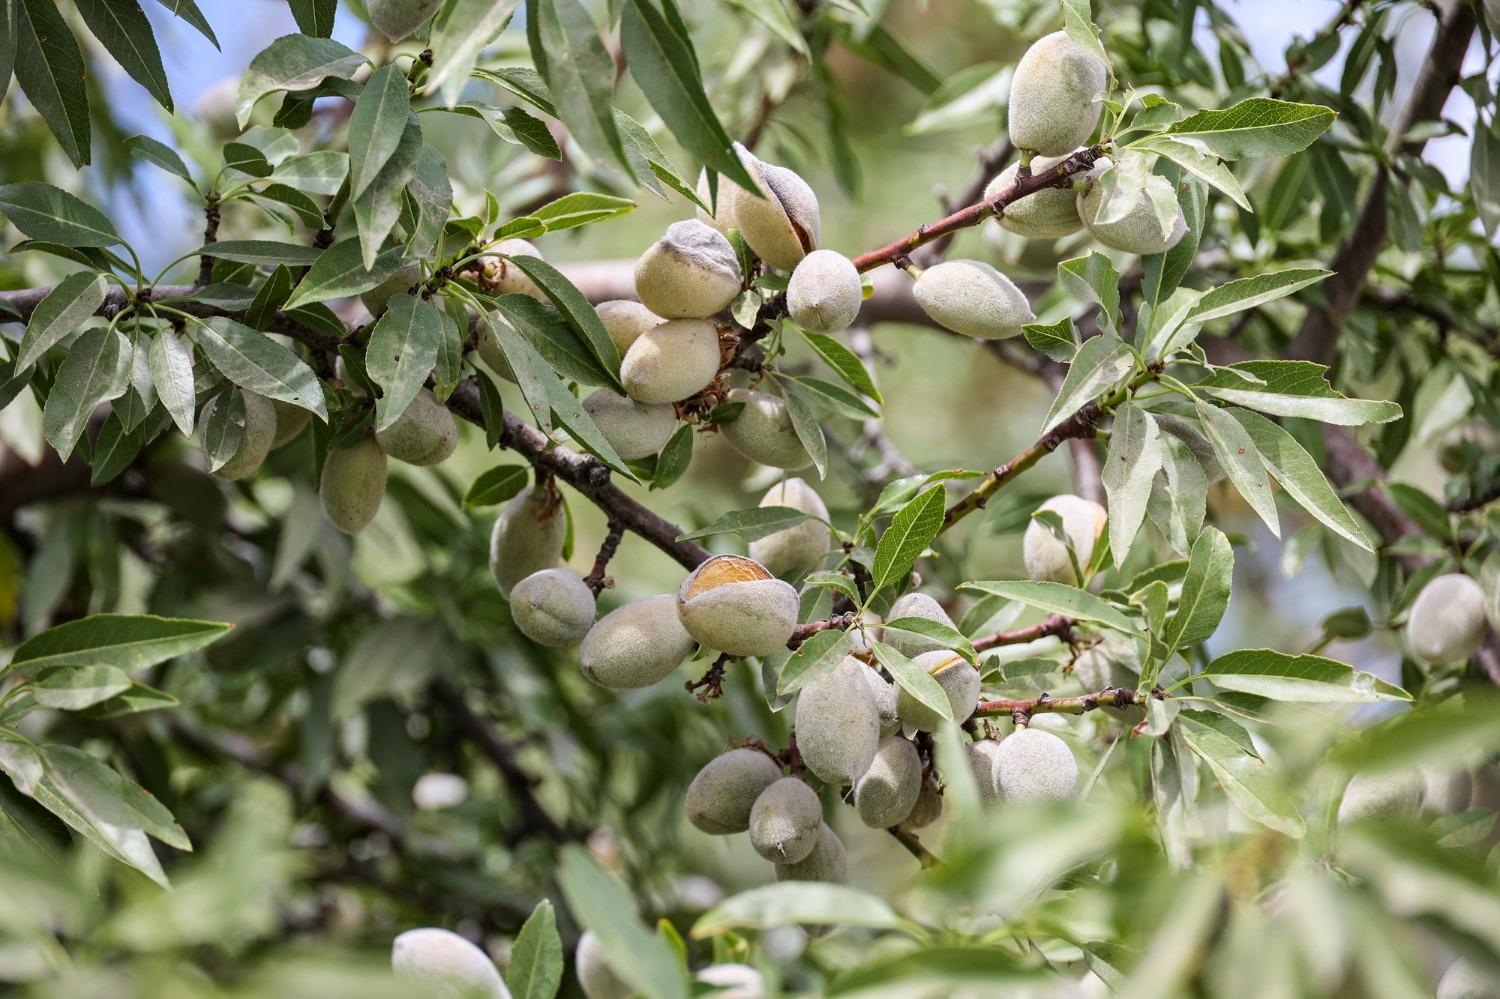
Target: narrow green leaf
{"x":1249,"y":783}
{"x":1252,"y":292}
{"x":912,"y":529}
{"x":294,"y":62}
{"x":1259,"y":126}
{"x":401,"y":354}
{"x":96,"y":370}
{"x":496,"y":485}
{"x":913,"y":679}
{"x":602,"y":904}
{"x":254,"y":361}
{"x":581,"y":76}
{"x":1295,"y":388}
{"x":1299,"y":474}
{"x":536,"y":958}
{"x":172,"y":373}
{"x":843,"y":360}
{"x":664,"y":66}
{"x":577,"y":310}
{"x":76,"y":298}
{"x":51,"y":71}
{"x":814,"y":659}
{"x":129,"y":641}
{"x":1130,"y":466}
{"x":1304,"y":678}
{"x":51,"y":214}
{"x":1099,"y":363}
{"x":122,"y":28}
{"x":315,"y":17}
{"x":804,"y":417}
{"x":73,"y":688}
{"x":144,"y":147}
{"x":581,"y":208}
{"x":261,"y":252}
{"x":377,"y":210}
{"x":1205,"y":591}
{"x":376,"y":126}
{"x":1241,"y":462}
{"x":339,"y":272}
{"x":462,"y":31}
{"x":1058,"y":598}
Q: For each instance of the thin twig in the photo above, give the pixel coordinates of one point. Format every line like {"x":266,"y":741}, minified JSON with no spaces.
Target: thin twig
{"x":1052,"y":624}
{"x":1060,"y":175}
{"x":596,"y":579}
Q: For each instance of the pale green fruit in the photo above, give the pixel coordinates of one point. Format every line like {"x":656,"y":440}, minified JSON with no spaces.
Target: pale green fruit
{"x":959,"y":681}
{"x":424,"y":434}
{"x":257,"y":433}
{"x":1046,"y":214}
{"x":984,"y":761}
{"x":1463,"y":980}
{"x":1446,"y":791}
{"x":785,"y":820}
{"x":1446,"y":622}
{"x":763,"y":431}
{"x":553,"y":607}
{"x":290,"y":421}
{"x":1054,"y":96}
{"x":884,"y":693}
{"x":446,"y":964}
{"x":733,"y":981}
{"x":1112,"y":662}
{"x":928,"y":809}
{"x":922,"y":606}
{"x":1140,"y":230}
{"x":1382,"y":796}
{"x":353,"y":484}
{"x":215,"y":107}
{"x":597,"y":979}
{"x":783,"y":226}
{"x":528,"y":536}
{"x":671,"y":362}
{"x":824,"y":292}
{"x":633,"y":429}
{"x":1035,"y":767}
{"x":690,"y":273}
{"x":510,"y":279}
{"x":888,"y":790}
{"x":972,"y":298}
{"x":838,"y":724}
{"x":723,"y":217}
{"x":399,"y":283}
{"x":826,"y":862}
{"x":721,"y":796}
{"x":1045,"y":555}
{"x":798,"y":546}
{"x":733,"y":604}
{"x":625,"y":321}
{"x":636,"y":645}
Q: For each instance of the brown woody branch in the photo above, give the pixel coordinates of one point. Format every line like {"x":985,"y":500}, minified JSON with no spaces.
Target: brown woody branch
{"x":596,"y":579}
{"x":1052,"y":624}
{"x":1060,"y":175}
{"x":1022,"y":709}
{"x":803,"y":632}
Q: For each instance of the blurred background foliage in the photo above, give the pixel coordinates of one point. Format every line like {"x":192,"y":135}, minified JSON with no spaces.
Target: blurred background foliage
{"x":356,"y":668}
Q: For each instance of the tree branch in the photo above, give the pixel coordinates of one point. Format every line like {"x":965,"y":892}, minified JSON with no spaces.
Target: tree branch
{"x":1060,"y":175}
{"x":1052,"y":624}
{"x":1114,"y":697}
{"x":1317,"y":337}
